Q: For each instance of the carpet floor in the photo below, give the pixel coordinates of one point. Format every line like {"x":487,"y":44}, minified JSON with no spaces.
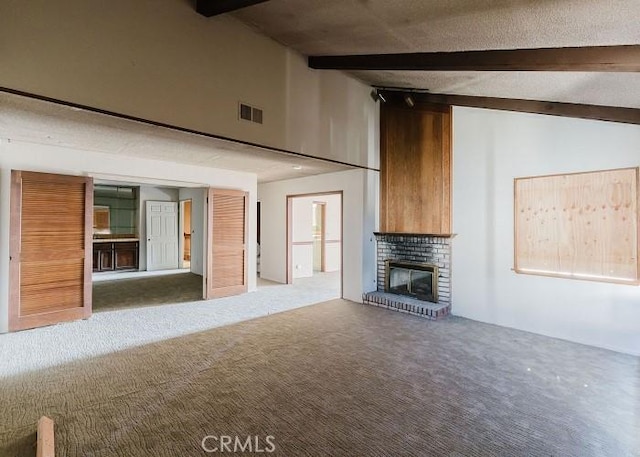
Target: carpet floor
{"x":337,"y":379}
{"x":151,"y":291}
{"x":115,"y":327}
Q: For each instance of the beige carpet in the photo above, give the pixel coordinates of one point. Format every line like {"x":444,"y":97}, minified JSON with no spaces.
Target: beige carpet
{"x":337,"y":379}
{"x":146,"y":291}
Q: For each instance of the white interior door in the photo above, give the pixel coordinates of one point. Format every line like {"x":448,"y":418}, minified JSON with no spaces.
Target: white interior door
{"x":162,"y":235}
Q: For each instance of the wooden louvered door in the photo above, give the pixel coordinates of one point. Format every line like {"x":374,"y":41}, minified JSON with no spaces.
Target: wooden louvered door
{"x":51,"y":248}
{"x":227,"y":243}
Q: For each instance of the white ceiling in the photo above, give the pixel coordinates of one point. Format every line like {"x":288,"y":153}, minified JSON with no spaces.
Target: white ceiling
{"x":335,"y":27}
{"x":26,"y":119}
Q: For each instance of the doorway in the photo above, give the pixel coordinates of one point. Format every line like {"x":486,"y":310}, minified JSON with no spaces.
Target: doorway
{"x":258,"y":221}
{"x":314,"y":240}
{"x":159,"y":223}
{"x":64,"y":261}
{"x":185,"y":234}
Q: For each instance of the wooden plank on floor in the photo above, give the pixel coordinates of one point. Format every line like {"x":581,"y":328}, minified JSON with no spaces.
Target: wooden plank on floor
{"x":45,"y":443}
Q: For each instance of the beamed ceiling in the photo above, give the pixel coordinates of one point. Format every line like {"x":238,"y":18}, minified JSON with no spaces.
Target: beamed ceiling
{"x":606,"y":76}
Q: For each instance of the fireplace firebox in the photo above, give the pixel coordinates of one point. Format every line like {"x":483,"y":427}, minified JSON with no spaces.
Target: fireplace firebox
{"x":417,"y":280}
{"x":413,"y":274}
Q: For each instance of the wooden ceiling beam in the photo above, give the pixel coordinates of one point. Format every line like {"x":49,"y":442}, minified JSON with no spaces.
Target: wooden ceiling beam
{"x":625,"y":58}
{"x":575,"y":110}
{"x":211,"y":8}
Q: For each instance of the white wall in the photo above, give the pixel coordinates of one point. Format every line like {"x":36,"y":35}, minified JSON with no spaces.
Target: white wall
{"x":198,"y":226}
{"x":491,"y":148}
{"x":360,"y":219}
{"x":150,"y":193}
{"x":330,"y":115}
{"x":20,"y":155}
{"x":160,"y":60}
{"x":157,"y":59}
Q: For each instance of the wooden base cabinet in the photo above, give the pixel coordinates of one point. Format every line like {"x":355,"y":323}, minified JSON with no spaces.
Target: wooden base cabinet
{"x":117,"y":255}
{"x":126,"y":256}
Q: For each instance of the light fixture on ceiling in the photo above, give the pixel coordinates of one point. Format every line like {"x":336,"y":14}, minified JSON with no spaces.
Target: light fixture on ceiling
{"x":297,"y":167}
{"x":408,"y":99}
{"x":377,"y":96}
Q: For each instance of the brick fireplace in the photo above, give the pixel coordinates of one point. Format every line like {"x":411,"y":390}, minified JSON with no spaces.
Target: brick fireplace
{"x":419,"y":250}
{"x":415,"y":208}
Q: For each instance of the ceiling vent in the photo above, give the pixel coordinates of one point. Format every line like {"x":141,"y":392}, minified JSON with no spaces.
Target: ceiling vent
{"x":249,"y":113}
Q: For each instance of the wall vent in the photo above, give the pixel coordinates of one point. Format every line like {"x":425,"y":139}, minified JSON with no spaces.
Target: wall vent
{"x":257,"y":115}
{"x":249,"y":113}
{"x":245,"y":112}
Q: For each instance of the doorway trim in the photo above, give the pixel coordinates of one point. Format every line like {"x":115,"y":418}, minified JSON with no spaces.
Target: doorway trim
{"x":181,"y":233}
{"x":289,"y":243}
{"x":323,"y":235}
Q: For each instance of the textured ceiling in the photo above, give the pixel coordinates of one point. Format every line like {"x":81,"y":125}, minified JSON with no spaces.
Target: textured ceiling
{"x":30,"y":120}
{"x":609,"y":89}
{"x":334,"y":27}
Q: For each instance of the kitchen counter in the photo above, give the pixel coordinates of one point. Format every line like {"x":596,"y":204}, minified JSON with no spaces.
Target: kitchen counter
{"x":114,"y":240}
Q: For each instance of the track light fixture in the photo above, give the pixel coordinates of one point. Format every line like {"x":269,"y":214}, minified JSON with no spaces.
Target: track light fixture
{"x":377,"y":96}
{"x":408,"y":99}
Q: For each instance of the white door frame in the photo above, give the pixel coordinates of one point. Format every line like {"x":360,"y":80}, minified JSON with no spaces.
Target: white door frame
{"x":289,"y":234}
{"x":181,"y":229}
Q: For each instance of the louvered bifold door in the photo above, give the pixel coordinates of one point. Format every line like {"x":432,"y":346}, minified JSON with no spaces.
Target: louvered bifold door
{"x":227,"y":243}
{"x":50,"y":252}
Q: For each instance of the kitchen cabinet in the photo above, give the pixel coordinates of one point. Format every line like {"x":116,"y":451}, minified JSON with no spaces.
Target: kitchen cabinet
{"x":111,"y":255}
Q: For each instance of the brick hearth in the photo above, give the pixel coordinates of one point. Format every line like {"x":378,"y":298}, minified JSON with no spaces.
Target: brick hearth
{"x":406,"y":304}
{"x":430,"y":249}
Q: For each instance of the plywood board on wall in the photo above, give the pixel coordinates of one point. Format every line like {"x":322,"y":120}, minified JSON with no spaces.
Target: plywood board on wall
{"x":581,"y":225}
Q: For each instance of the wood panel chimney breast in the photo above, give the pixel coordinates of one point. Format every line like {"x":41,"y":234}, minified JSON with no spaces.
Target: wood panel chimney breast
{"x":415,"y":167}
